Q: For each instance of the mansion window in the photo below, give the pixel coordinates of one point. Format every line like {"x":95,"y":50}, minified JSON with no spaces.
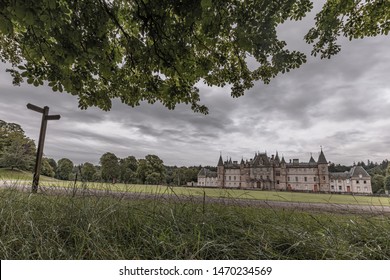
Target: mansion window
{"x":332,"y":187}
{"x":340,"y":188}
{"x":305,"y":179}
{"x":296,"y":179}
{"x":365,"y":182}
{"x":277,"y":182}
{"x":277,"y":173}
{"x":315,"y":179}
{"x":234,"y":178}
{"x":288,"y":179}
{"x":357,"y":181}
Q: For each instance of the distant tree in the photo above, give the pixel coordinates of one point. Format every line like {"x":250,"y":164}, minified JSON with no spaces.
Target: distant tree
{"x":377,"y":183}
{"x":180,"y":176}
{"x":128,"y":169}
{"x":64,"y":169}
{"x":192,"y":173}
{"x":110,"y":167}
{"x":376,"y":170}
{"x":387,"y":183}
{"x":152,"y":164}
{"x":97,"y":177}
{"x":153,"y":178}
{"x":52,"y":163}
{"x":384,"y":164}
{"x":20,"y":153}
{"x":8,"y":131}
{"x":388,"y":169}
{"x":142,"y":171}
{"x":88,"y":171}
{"x":169,"y":171}
{"x":16,"y":150}
{"x":46,"y":168}
{"x":338,"y":167}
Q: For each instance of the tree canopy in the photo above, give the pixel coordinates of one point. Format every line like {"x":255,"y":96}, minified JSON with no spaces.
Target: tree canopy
{"x":16,"y":149}
{"x":153,"y":51}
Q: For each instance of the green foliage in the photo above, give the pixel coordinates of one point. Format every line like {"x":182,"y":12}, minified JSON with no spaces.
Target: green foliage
{"x":64,"y":169}
{"x":388,"y":170}
{"x":157,"y":51}
{"x":350,"y":18}
{"x":387,"y":183}
{"x":16,"y":150}
{"x":180,"y":176}
{"x":338,"y":168}
{"x":46,"y":168}
{"x":110,"y":170}
{"x":377,"y":183}
{"x":154,"y":51}
{"x":151,"y":169}
{"x":52,"y":163}
{"x":88,"y":171}
{"x":128,"y":170}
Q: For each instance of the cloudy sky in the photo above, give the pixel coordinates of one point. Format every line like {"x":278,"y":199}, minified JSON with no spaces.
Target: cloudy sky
{"x":341,"y":104}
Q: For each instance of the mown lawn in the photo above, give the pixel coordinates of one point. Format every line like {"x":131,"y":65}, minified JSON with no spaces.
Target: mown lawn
{"x":191,"y":191}
{"x":37,"y":226}
{"x":20,"y":175}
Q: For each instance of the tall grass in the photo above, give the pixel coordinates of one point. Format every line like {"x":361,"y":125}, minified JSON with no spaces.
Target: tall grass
{"x":66,"y":226}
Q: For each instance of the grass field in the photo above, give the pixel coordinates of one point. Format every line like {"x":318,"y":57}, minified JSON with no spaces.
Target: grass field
{"x":221,"y":193}
{"x":35,"y":226}
{"x":8,"y":174}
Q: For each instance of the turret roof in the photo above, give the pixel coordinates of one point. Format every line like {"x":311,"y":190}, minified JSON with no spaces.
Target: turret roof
{"x":277,"y":160}
{"x":220,"y":162}
{"x":322,"y":159}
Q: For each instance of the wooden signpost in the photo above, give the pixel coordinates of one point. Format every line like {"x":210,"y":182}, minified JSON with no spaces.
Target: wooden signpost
{"x":38,"y":162}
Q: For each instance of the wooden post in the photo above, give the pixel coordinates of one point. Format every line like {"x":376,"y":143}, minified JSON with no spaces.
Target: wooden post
{"x":38,"y":162}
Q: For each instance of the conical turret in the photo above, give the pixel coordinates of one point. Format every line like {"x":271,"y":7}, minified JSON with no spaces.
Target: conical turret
{"x":220,"y":162}
{"x":312,"y":159}
{"x":321,"y":158}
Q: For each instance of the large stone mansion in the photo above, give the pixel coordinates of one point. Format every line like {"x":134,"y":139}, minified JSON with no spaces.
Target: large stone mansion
{"x":272,"y":173}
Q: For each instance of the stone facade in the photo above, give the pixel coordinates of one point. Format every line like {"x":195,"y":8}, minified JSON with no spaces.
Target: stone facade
{"x":273,"y":173}
{"x":357,"y":180}
{"x":207,"y":178}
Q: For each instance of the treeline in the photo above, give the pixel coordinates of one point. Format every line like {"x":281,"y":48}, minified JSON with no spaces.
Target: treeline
{"x":149,"y":170}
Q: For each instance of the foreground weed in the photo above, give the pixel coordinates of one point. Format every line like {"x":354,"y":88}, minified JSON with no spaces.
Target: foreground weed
{"x":85,"y":226}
